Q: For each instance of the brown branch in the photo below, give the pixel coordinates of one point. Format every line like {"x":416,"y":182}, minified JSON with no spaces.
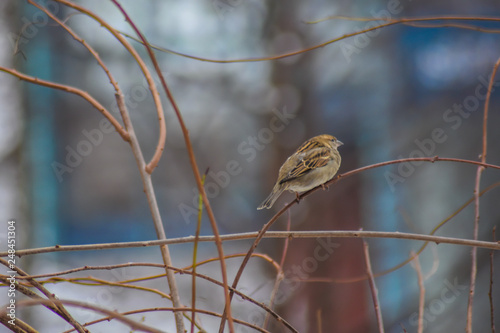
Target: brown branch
{"x":125,"y":284}
{"x":490,"y":292}
{"x":318,"y":321}
{"x":19,"y":327}
{"x":101,"y":282}
{"x":480,"y":170}
{"x":486,"y":108}
{"x":421,"y":299}
{"x":91,"y":50}
{"x":256,"y":242}
{"x":245,"y":297}
{"x":210,"y":313}
{"x":144,"y":170}
{"x":72,"y":90}
{"x":261,"y":233}
{"x":270,"y":234}
{"x":192,"y":161}
{"x":280,"y":274}
{"x":405,"y":21}
{"x":195,"y":253}
{"x":373,"y":288}
{"x":473,"y":271}
{"x":113,"y":314}
{"x":52,"y":300}
{"x":146,"y":73}
{"x":454,"y":25}
{"x":90,"y":268}
{"x":161,"y":117}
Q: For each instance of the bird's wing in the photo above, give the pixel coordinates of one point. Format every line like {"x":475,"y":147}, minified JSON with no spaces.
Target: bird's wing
{"x":309,"y":146}
{"x":306,"y":162}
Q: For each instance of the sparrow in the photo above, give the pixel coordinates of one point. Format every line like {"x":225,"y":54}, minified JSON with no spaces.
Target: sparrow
{"x":314,"y":163}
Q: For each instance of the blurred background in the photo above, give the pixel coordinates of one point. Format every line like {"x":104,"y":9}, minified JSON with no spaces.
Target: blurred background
{"x":398,"y":92}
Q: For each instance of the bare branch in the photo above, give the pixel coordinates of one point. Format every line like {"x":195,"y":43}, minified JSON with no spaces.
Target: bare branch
{"x":421,"y":299}
{"x":72,"y":90}
{"x":52,"y":300}
{"x":373,"y":288}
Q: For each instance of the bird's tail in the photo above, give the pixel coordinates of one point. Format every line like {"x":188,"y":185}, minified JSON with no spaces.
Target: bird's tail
{"x":269,"y":202}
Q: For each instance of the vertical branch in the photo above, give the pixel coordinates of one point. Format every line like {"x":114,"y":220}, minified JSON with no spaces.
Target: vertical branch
{"x":490,"y":292}
{"x":280,"y":275}
{"x":194,"y":166}
{"x":480,"y":170}
{"x":195,"y":254}
{"x":155,"y":212}
{"x":144,"y":169}
{"x":473,"y":270}
{"x":373,"y":288}
{"x":318,"y":320}
{"x":247,"y":258}
{"x":421,"y":299}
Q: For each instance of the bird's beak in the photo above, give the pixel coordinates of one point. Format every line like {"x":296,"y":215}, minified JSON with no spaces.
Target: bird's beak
{"x":339,"y":143}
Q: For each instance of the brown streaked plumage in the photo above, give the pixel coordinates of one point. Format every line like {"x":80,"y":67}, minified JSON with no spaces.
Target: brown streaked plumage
{"x":315,"y":162}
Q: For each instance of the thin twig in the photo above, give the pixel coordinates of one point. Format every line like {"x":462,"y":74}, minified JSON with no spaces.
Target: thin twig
{"x":334,"y":180}
{"x":115,"y":315}
{"x":473,"y":271}
{"x":92,"y":281}
{"x":19,"y":327}
{"x":318,"y":320}
{"x":278,"y":318}
{"x":421,"y":299}
{"x":405,"y":21}
{"x":210,"y":313}
{"x":373,"y":288}
{"x":480,"y":170}
{"x":72,"y":90}
{"x":195,"y":254}
{"x":256,"y":242}
{"x":280,"y":275}
{"x":161,"y":117}
{"x":145,"y":71}
{"x":270,"y":234}
{"x":192,"y":160}
{"x":132,"y":139}
{"x":125,"y":284}
{"x":91,"y":50}
{"x":52,"y":300}
{"x":490,"y":292}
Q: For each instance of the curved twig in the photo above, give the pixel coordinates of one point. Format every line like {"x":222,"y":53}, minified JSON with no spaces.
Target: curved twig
{"x":72,"y":90}
{"x":405,"y":21}
{"x":113,"y":314}
{"x":51,"y":300}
